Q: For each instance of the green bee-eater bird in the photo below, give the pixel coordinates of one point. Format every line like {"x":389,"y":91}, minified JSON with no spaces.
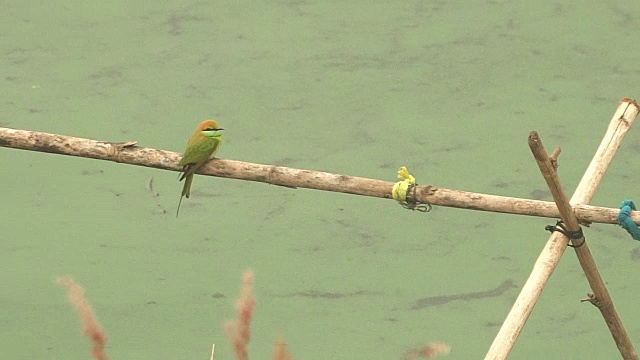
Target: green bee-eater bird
{"x":202,"y":146}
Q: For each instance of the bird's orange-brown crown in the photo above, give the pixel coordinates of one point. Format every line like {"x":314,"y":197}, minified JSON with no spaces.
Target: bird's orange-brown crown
{"x":208,"y":124}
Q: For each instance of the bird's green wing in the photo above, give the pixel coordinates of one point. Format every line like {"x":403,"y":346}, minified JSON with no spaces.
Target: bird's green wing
{"x":197,"y":154}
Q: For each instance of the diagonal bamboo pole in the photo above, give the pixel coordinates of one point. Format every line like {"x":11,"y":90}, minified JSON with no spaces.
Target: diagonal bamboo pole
{"x":602,"y":298}
{"x":622,"y":120}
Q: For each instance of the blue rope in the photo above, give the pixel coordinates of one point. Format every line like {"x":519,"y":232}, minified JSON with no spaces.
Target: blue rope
{"x":626,"y":222}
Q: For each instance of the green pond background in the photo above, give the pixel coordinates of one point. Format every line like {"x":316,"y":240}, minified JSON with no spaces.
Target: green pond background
{"x":450,"y":89}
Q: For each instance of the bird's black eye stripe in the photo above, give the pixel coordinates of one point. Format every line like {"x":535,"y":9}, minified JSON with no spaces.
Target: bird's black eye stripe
{"x":213,"y":129}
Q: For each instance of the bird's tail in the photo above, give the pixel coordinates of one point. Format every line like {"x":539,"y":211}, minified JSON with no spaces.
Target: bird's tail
{"x":186,"y":191}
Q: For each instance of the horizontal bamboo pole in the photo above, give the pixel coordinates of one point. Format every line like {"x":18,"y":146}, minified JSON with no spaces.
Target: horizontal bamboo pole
{"x":129,"y":153}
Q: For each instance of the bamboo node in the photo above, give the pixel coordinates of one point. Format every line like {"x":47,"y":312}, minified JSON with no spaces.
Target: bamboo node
{"x":600,"y":303}
{"x":593,"y":299}
{"x":271,"y":170}
{"x":115,"y":149}
{"x":554,"y":158}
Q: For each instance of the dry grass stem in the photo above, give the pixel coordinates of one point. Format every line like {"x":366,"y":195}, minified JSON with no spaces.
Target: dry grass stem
{"x":91,"y":328}
{"x":430,"y":351}
{"x":280,"y":351}
{"x":238,"y":331}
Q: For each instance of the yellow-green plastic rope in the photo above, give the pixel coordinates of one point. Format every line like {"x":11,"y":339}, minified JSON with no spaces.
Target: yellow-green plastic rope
{"x":402,"y":187}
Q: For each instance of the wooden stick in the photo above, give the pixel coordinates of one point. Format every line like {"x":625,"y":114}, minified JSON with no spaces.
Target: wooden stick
{"x":128,"y":153}
{"x":213,"y":350}
{"x":552,"y":252}
{"x":602,"y":297}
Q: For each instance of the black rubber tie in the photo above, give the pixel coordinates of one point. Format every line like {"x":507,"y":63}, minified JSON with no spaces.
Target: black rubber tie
{"x":572,"y":235}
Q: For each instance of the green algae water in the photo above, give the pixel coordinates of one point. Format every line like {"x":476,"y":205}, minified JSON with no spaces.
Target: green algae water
{"x":449,"y":89}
